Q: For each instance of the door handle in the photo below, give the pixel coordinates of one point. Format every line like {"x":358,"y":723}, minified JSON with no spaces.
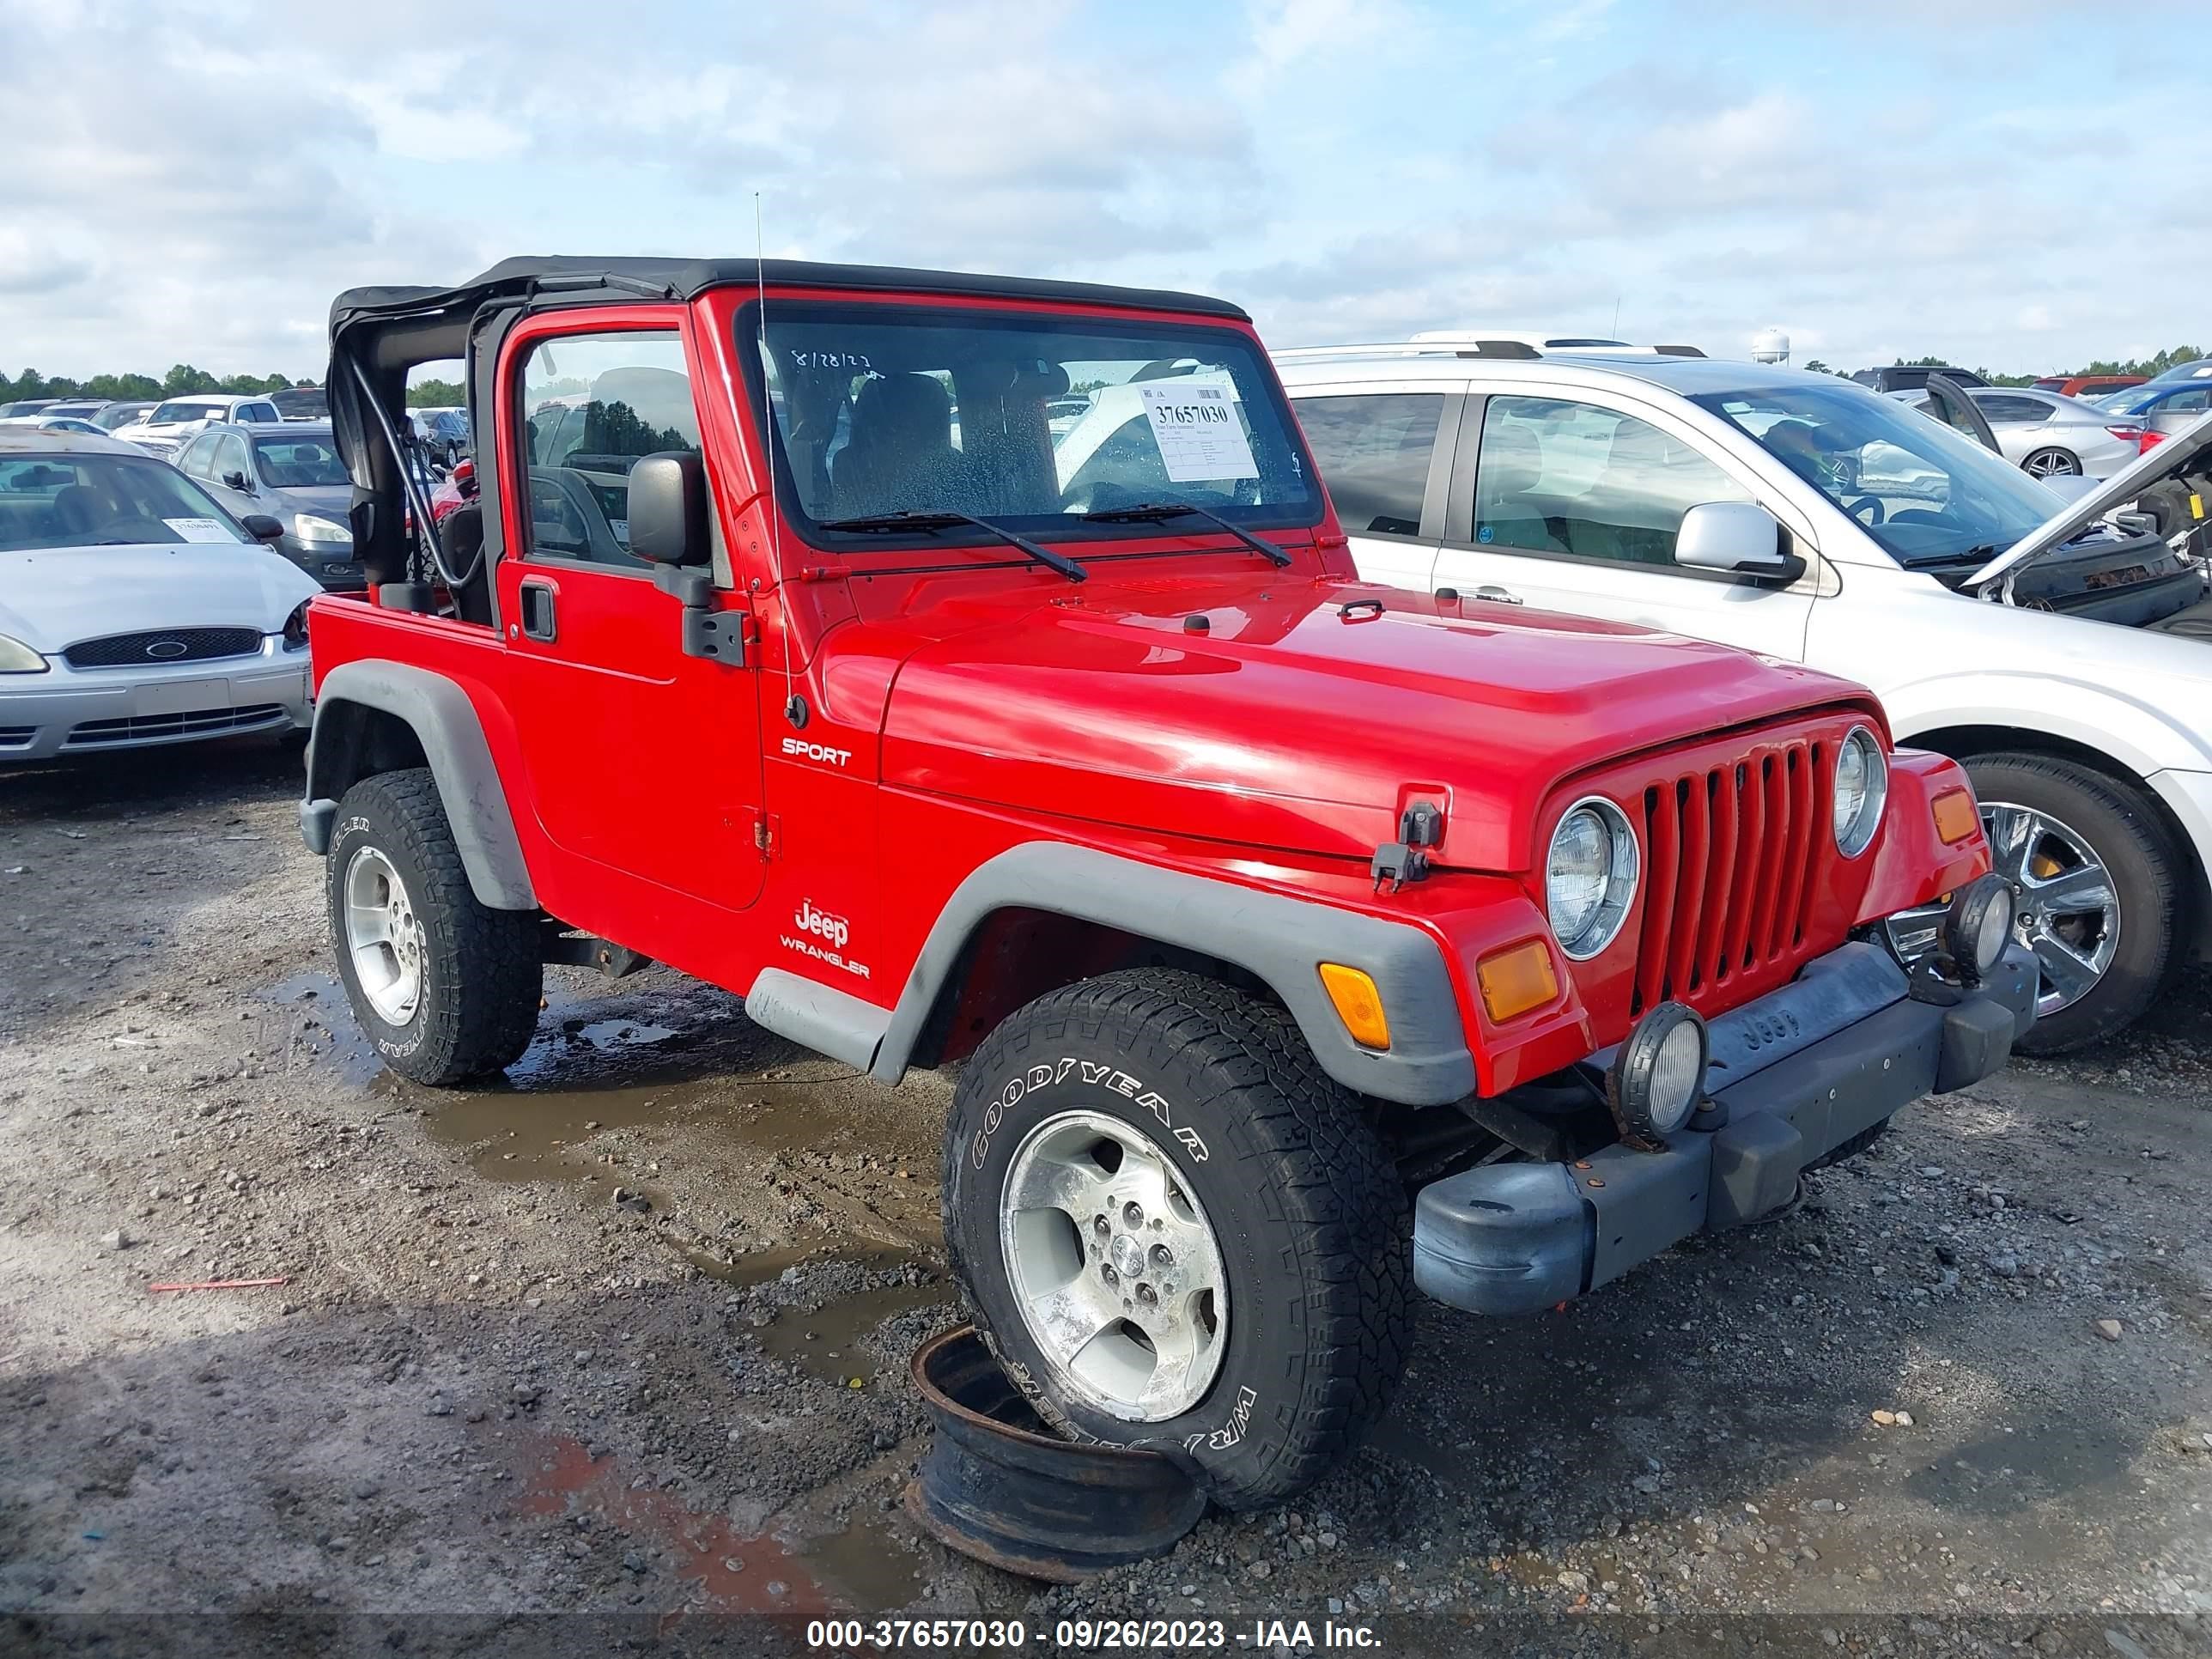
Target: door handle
{"x":1499,"y":596}
{"x":537,"y":620}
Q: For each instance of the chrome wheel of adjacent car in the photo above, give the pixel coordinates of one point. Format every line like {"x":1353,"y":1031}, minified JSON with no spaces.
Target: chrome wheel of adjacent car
{"x":2050,"y":463}
{"x":1114,"y":1267}
{"x":2066,"y":907}
{"x":383,"y":935}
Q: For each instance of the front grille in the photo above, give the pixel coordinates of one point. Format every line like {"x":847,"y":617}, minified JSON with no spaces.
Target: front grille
{"x":17,"y":737}
{"x":163,"y":645}
{"x":193,"y":723}
{"x":1735,"y":864}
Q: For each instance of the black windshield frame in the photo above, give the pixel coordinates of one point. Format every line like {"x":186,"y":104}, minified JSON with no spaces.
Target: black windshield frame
{"x":1256,"y":383}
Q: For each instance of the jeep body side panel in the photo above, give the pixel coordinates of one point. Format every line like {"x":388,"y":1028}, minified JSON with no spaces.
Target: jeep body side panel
{"x":444,"y":722}
{"x":1278,"y":938}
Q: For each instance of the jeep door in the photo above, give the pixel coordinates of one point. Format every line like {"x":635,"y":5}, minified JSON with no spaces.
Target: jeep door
{"x":644,"y":764}
{"x":1569,"y":500}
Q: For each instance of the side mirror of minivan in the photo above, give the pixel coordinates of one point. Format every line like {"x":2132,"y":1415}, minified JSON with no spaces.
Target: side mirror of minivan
{"x":1738,"y":537}
{"x":234,"y":479}
{"x":668,"y":508}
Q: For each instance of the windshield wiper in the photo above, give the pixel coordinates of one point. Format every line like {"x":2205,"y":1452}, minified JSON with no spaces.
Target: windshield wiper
{"x":944,"y":519}
{"x":1141,"y":511}
{"x":1981,"y":555}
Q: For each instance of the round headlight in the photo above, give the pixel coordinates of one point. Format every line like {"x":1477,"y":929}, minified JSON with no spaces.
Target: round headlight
{"x":1590,"y":877}
{"x":1659,"y":1074}
{"x":1862,"y":788}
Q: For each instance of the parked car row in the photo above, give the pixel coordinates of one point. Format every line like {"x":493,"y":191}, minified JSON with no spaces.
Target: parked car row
{"x":1793,"y":515}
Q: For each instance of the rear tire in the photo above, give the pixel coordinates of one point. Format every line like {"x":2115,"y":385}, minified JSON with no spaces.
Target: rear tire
{"x":444,"y":986}
{"x":2123,"y":833}
{"x":1155,"y":1107}
{"x":2051,"y":464}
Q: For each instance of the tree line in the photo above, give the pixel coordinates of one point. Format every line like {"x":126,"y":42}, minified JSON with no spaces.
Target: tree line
{"x":184,"y":379}
{"x":2149,"y":367}
{"x":181,"y":381}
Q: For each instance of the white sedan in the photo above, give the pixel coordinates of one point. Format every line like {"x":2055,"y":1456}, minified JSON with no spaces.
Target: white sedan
{"x":133,"y":610}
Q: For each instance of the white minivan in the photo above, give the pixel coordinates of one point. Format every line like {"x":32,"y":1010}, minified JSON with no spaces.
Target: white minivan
{"x":2064,"y":657}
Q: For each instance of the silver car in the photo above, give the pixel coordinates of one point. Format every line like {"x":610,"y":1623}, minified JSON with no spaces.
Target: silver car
{"x":2048,"y":436}
{"x":133,"y":610}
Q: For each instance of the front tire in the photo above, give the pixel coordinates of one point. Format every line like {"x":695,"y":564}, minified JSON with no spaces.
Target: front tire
{"x":444,"y":986}
{"x":1177,"y":1231}
{"x":2095,"y":876}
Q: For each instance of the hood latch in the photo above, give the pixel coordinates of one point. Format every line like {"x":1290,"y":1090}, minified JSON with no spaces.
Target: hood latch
{"x":1397,"y":862}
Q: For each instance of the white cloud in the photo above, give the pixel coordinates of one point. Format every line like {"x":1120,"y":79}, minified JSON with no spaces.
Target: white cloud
{"x":1341,"y":167}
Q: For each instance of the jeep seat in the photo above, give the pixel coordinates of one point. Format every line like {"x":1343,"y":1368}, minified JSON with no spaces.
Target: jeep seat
{"x":463,"y":533}
{"x":901,"y":453}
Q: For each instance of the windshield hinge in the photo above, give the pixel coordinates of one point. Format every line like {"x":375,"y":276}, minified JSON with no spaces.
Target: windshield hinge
{"x":1397,"y":862}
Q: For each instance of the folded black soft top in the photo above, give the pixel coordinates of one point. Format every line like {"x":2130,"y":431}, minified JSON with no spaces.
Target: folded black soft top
{"x":432,"y":322}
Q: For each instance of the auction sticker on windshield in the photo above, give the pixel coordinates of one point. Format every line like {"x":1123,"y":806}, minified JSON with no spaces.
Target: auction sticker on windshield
{"x":1199,"y":433}
{"x":200,"y":530}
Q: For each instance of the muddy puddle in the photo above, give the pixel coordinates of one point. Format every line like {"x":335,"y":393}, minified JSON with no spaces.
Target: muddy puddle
{"x":867,"y":1566}
{"x":829,"y":1343}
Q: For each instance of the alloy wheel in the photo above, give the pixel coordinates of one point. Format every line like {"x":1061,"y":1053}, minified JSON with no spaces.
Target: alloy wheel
{"x":384,"y":936}
{"x":1114,"y":1267}
{"x":2067,"y":906}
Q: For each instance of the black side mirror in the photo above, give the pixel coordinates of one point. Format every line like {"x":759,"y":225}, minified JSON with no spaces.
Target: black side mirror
{"x":263,"y":528}
{"x":234,"y":479}
{"x":668,"y":508}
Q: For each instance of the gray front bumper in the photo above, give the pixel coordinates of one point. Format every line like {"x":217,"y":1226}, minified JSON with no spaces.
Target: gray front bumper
{"x":1793,"y":1075}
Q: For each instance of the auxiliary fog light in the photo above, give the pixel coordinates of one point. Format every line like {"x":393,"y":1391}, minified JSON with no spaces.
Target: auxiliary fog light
{"x":1659,"y":1074}
{"x":1979,"y":925}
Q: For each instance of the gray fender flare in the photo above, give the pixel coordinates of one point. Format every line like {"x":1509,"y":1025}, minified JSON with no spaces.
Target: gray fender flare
{"x":444,"y":723}
{"x":1279,"y":940}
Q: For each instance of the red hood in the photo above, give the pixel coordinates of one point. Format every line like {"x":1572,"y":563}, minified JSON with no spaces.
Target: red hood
{"x":1289,"y":723}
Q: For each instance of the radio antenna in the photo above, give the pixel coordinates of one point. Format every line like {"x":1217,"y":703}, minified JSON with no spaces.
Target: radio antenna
{"x":794,"y":709}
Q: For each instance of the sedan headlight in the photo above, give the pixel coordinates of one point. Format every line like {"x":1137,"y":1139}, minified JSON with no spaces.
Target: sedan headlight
{"x":17,"y":658}
{"x":314,"y":527}
{"x":296,"y":628}
{"x":1862,"y":788}
{"x":1590,"y":877}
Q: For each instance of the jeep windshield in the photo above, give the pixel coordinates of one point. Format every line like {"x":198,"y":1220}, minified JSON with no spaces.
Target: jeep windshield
{"x":1928,"y":495}
{"x":1026,"y":421}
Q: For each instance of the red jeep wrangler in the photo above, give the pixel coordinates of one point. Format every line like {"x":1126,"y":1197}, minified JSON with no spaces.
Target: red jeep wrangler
{"x":971,"y":671}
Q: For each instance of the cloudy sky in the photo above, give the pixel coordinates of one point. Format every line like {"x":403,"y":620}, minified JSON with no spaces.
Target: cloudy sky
{"x":2005,"y":184}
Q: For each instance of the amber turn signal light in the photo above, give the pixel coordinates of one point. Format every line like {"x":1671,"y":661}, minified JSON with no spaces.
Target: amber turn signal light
{"x":1358,"y":1004}
{"x":1516,"y":979}
{"x":1955,"y":816}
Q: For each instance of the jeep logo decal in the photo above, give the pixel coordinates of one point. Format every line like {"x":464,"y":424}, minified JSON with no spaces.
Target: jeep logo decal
{"x":820,"y":923}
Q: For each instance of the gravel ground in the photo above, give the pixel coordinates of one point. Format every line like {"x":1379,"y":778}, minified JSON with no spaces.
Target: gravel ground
{"x":613,"y":1357}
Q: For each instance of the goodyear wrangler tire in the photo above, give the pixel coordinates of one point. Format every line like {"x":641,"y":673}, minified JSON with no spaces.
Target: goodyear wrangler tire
{"x":445,"y":988}
{"x":1177,"y":1231}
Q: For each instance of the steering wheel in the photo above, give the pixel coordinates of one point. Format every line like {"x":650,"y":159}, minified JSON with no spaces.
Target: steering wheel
{"x":1868,"y":509}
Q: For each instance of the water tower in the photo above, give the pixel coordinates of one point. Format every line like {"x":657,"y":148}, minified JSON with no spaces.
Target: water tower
{"x":1770,"y":346}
